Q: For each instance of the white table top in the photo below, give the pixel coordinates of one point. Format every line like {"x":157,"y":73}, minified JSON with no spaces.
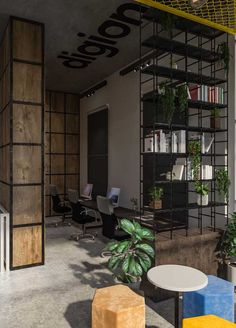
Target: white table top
{"x":177,"y":278}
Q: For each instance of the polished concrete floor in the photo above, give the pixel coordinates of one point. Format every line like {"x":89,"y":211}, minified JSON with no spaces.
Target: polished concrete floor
{"x":59,"y":294}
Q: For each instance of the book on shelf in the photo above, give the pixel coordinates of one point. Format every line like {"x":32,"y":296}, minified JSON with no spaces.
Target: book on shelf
{"x":149,"y":144}
{"x":177,"y":172}
{"x":212,"y":94}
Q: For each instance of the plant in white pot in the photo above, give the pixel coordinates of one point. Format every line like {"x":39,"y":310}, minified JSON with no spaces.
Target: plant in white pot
{"x":228,"y":249}
{"x":130,"y":259}
{"x":202,"y":190}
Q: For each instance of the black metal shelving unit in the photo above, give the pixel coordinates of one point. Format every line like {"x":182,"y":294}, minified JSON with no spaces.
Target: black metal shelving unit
{"x":193,"y":48}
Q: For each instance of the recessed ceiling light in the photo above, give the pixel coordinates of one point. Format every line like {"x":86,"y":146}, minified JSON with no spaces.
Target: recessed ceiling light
{"x":196,"y":4}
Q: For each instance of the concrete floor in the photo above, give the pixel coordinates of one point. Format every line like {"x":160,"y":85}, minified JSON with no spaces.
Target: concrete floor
{"x":59,"y":294}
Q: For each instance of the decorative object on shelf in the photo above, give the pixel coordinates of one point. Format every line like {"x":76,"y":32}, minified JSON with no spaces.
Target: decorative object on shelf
{"x":134,"y":202}
{"x":168,"y":102}
{"x":228,"y":248}
{"x":182,"y":95}
{"x":197,"y":4}
{"x":194,"y":149}
{"x":130,"y":259}
{"x":202,"y":190}
{"x":156,"y":194}
{"x":224,"y":53}
{"x":215,"y":118}
{"x":222,"y":183}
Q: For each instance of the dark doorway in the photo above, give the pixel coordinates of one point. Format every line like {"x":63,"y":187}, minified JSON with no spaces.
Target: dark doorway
{"x":98,"y":151}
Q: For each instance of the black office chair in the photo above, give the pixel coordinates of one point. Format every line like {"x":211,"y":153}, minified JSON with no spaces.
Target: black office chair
{"x":79,"y":215}
{"x":109,"y":220}
{"x":59,"y":207}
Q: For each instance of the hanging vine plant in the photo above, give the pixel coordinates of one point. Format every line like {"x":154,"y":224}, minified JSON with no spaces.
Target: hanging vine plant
{"x":224,"y":54}
{"x":168,"y":102}
{"x":182,"y":94}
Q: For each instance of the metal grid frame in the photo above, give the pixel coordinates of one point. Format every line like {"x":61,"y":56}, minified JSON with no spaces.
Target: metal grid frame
{"x":50,"y":174}
{"x":202,"y":216}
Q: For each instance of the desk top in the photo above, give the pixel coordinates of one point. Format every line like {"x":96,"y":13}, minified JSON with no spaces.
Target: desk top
{"x":177,"y":278}
{"x":120,"y":212}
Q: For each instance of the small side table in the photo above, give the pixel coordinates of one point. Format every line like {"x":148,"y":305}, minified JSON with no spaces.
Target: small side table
{"x":179,"y":279}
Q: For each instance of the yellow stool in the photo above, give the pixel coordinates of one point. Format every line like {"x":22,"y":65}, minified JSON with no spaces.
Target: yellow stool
{"x":207,"y":321}
{"x":118,"y":307}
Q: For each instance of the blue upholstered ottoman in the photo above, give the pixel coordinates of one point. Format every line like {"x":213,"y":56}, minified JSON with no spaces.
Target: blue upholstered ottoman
{"x":217,"y":299}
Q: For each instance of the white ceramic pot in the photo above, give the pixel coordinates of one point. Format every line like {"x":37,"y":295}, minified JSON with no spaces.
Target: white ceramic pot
{"x":202,"y":200}
{"x":231,"y":272}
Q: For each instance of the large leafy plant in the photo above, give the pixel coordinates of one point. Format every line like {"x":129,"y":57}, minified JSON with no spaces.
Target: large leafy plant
{"x":130,"y":259}
{"x":229,"y":240}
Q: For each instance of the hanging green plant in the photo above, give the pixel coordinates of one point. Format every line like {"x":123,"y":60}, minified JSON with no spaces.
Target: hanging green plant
{"x":194,"y":149}
{"x":167,"y":22}
{"x":168,"y":102}
{"x":222,"y":183}
{"x":224,"y":54}
{"x":182,"y":94}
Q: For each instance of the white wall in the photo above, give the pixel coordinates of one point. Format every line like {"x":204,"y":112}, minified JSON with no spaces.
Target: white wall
{"x":122,"y":96}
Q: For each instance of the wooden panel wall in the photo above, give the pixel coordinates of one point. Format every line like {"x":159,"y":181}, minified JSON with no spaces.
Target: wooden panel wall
{"x":5,"y":108}
{"x":61,"y":144}
{"x":22,"y":139}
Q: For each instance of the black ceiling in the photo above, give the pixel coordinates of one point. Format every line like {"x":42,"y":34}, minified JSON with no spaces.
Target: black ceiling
{"x":69,"y":25}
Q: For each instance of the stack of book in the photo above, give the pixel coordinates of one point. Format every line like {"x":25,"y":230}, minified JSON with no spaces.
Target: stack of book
{"x":205,"y":173}
{"x":206,"y":93}
{"x":161,"y":142}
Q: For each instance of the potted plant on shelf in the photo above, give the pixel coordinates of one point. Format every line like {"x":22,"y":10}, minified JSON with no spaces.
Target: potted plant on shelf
{"x":202,"y":190}
{"x":156,"y":194}
{"x":222,"y":183}
{"x":215,"y":118}
{"x":228,"y":248}
{"x":130,"y":259}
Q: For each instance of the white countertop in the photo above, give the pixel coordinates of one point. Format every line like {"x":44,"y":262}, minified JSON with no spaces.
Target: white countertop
{"x":177,"y":278}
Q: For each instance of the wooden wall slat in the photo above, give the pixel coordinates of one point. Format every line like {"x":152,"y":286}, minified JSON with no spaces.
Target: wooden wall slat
{"x":27,"y":41}
{"x":27,"y":82}
{"x":27,"y":164}
{"x":62,"y":119}
{"x":27,"y":206}
{"x":27,"y":125}
{"x":27,"y":246}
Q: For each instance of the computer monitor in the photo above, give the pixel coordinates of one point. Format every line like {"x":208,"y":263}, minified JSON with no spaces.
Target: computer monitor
{"x":114,"y":196}
{"x":87,"y":192}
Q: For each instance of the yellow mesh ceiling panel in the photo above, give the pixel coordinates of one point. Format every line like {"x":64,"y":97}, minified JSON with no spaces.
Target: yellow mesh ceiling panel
{"x":219,"y":14}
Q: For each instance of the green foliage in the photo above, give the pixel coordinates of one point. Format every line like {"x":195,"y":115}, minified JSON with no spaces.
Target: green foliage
{"x":215,"y":113}
{"x":222,"y":183}
{"x":229,"y":240}
{"x":224,"y":53}
{"x":182,"y":94}
{"x":134,"y":201}
{"x":130,"y":259}
{"x":167,"y":21}
{"x":168,"y":102}
{"x":201,"y":189}
{"x":156,"y":193}
{"x":194,"y":149}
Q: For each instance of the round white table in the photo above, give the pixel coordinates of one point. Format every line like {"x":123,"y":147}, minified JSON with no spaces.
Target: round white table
{"x":179,"y":279}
